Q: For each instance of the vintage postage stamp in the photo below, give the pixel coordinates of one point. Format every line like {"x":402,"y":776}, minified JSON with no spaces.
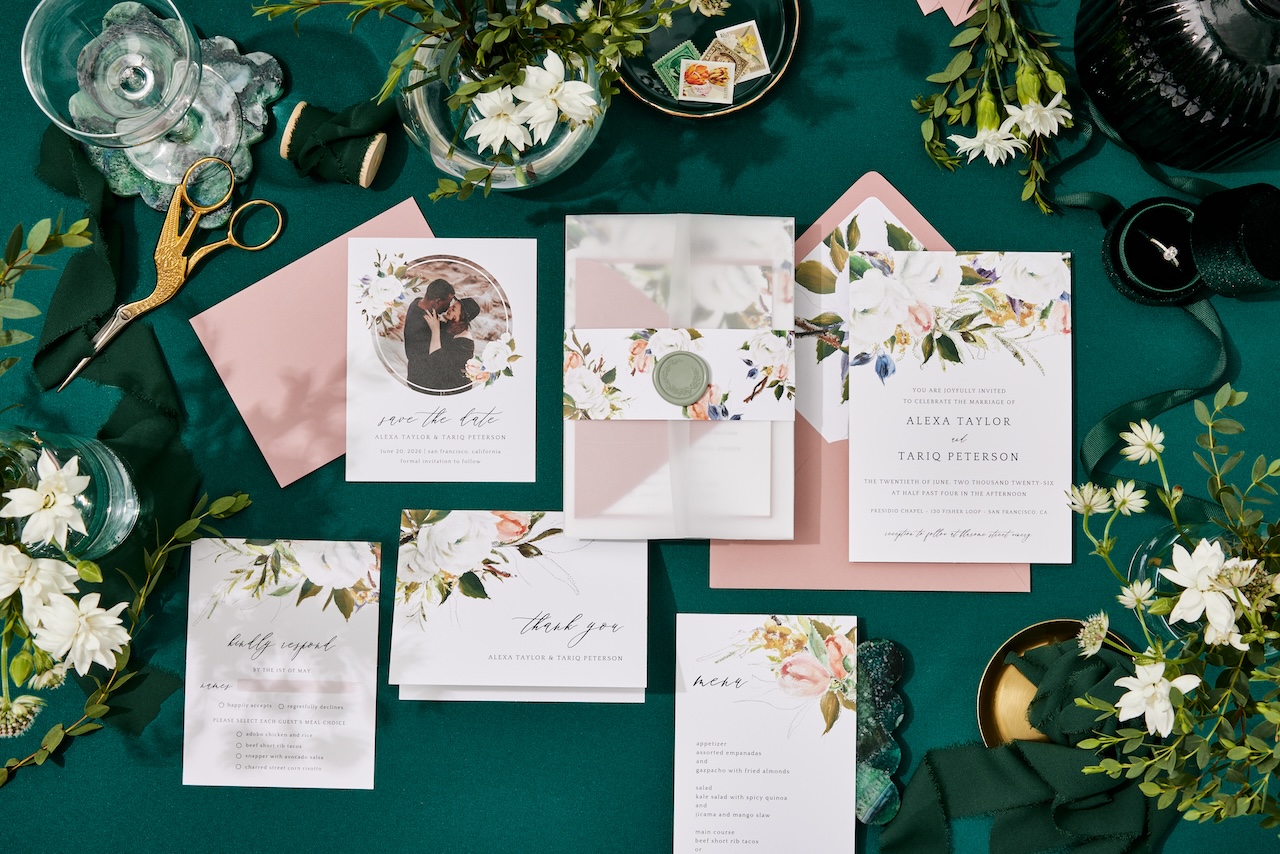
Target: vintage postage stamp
{"x":668,"y":67}
{"x":705,"y":81}
{"x":744,"y":39}
{"x":721,"y":52}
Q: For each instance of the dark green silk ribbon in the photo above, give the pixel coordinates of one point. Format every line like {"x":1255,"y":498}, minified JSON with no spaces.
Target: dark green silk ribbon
{"x":1037,"y":793}
{"x":144,"y":427}
{"x":332,"y":147}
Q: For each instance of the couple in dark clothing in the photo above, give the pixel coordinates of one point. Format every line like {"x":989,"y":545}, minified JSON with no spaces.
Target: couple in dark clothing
{"x":437,"y":338}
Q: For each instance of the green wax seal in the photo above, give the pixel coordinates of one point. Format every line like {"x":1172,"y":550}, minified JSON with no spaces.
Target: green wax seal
{"x":681,"y":377}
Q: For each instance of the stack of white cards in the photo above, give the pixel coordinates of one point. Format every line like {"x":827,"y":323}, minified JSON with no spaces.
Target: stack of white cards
{"x":500,"y":605}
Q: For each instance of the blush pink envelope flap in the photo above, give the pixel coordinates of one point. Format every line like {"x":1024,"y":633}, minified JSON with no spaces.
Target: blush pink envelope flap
{"x":289,"y":382}
{"x":817,"y":559}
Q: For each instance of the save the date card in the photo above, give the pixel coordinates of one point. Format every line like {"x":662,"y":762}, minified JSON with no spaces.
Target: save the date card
{"x":441,"y":336}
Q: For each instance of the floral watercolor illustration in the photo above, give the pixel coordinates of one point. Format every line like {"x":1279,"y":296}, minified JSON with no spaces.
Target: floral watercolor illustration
{"x":494,"y":361}
{"x":379,"y":293}
{"x":932,"y":307}
{"x":810,"y":660}
{"x":467,"y":552}
{"x":590,"y":392}
{"x":769,"y":361}
{"x":342,"y":574}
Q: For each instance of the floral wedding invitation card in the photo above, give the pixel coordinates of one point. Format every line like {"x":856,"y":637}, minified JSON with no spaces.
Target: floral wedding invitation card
{"x":282,"y":664}
{"x":959,"y":377}
{"x":501,"y":605}
{"x":441,"y":336}
{"x":766,"y":732}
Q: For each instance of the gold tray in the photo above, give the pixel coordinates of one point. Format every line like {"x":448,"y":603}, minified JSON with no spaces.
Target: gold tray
{"x":1004,"y":693}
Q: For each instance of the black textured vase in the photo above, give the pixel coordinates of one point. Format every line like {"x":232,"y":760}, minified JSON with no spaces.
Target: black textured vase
{"x":1190,"y":83}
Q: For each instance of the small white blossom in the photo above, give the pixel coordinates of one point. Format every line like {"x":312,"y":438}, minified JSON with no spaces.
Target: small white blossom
{"x":995,"y":144}
{"x":1139,"y":594}
{"x":39,"y":580}
{"x":51,"y":678}
{"x":547,"y":96}
{"x":1214,"y":637}
{"x":586,"y":10}
{"x":51,"y":505}
{"x":1089,"y":498}
{"x":1147,"y":694}
{"x":500,"y":121}
{"x":708,"y":8}
{"x":16,"y":716}
{"x":1145,"y":442}
{"x":1036,"y":119}
{"x":1128,"y":500}
{"x":1197,"y":573}
{"x":1093,"y":632}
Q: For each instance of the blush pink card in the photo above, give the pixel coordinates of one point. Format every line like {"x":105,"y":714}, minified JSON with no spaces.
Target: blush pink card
{"x":818,"y":557}
{"x":291,"y":388}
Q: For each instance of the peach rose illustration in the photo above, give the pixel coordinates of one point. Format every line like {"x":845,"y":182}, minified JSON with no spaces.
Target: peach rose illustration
{"x":698,"y":411}
{"x":838,"y":646}
{"x":1059,"y":319}
{"x":920,"y":319}
{"x":571,"y":361}
{"x":802,"y":675}
{"x":640,"y":362}
{"x":512,"y":525}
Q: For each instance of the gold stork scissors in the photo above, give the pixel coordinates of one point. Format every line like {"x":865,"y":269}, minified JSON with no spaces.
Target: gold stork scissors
{"x":173,"y":265}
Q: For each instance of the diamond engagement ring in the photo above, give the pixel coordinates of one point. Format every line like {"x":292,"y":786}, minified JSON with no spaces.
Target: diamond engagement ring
{"x":1169,"y":253}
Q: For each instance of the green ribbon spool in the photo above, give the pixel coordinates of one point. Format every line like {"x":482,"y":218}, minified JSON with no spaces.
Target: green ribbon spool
{"x":346,"y":146}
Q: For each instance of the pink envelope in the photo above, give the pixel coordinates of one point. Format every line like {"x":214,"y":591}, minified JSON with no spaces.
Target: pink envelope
{"x":817,"y":559}
{"x":291,"y":389}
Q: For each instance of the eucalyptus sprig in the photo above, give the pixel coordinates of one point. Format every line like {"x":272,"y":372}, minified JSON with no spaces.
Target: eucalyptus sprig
{"x":1210,"y":697}
{"x":1002,"y":93}
{"x":45,"y":238}
{"x":154,"y":564}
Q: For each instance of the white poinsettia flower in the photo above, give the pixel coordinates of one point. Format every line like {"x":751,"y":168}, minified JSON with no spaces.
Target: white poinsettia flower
{"x":333,"y":564}
{"x":1144,"y":441}
{"x":1139,"y":594}
{"x":1036,"y":119}
{"x":500,"y":122}
{"x":547,"y":96}
{"x":995,"y":144}
{"x":1147,"y":694}
{"x":1197,"y":573}
{"x":84,"y":633}
{"x":1093,"y":632}
{"x":51,"y":505}
{"x":1127,"y":499}
{"x":1089,"y":498}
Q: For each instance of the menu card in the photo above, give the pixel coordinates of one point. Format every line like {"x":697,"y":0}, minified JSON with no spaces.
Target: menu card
{"x":501,"y":605}
{"x":766,"y":732}
{"x":282,"y":664}
{"x":441,"y":336}
{"x":960,"y":421}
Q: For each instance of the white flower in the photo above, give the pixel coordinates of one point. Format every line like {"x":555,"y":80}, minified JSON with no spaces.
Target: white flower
{"x":1034,"y":277}
{"x":51,"y":505}
{"x":1148,"y":694}
{"x":379,"y":292}
{"x":1128,"y":500}
{"x":1093,"y":632}
{"x":1145,"y":442}
{"x":727,"y":288}
{"x":456,"y":544}
{"x":1214,"y":637}
{"x":16,"y":716}
{"x":84,"y":633}
{"x":496,"y":355}
{"x":664,"y":341}
{"x":333,"y":564}
{"x":930,"y":277}
{"x":499,"y":122}
{"x":587,"y":392}
{"x":879,"y":304}
{"x":997,"y":145}
{"x":547,"y":96}
{"x":51,"y":678}
{"x":1197,"y":573}
{"x":1034,"y":118}
{"x":1237,"y":573}
{"x":1089,"y":498}
{"x":586,"y":10}
{"x":765,"y":349}
{"x":1139,"y":594}
{"x":708,"y":8}
{"x":38,"y":579}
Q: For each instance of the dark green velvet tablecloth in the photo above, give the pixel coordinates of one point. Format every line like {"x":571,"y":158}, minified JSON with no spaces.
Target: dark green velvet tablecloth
{"x":489,"y":777}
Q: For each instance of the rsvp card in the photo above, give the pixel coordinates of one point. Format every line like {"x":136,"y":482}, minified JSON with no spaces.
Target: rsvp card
{"x":441,"y":336}
{"x":766,"y":732}
{"x":282,"y":664}
{"x":501,"y":605}
{"x":959,"y":378}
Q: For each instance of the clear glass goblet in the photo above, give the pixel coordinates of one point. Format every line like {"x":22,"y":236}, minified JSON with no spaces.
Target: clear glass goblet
{"x":126,"y":75}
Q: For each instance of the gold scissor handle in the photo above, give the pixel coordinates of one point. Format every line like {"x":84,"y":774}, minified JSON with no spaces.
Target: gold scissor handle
{"x":183,"y":188}
{"x":232,"y":240}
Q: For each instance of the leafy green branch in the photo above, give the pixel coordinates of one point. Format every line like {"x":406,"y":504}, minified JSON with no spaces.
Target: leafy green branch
{"x":45,"y":238}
